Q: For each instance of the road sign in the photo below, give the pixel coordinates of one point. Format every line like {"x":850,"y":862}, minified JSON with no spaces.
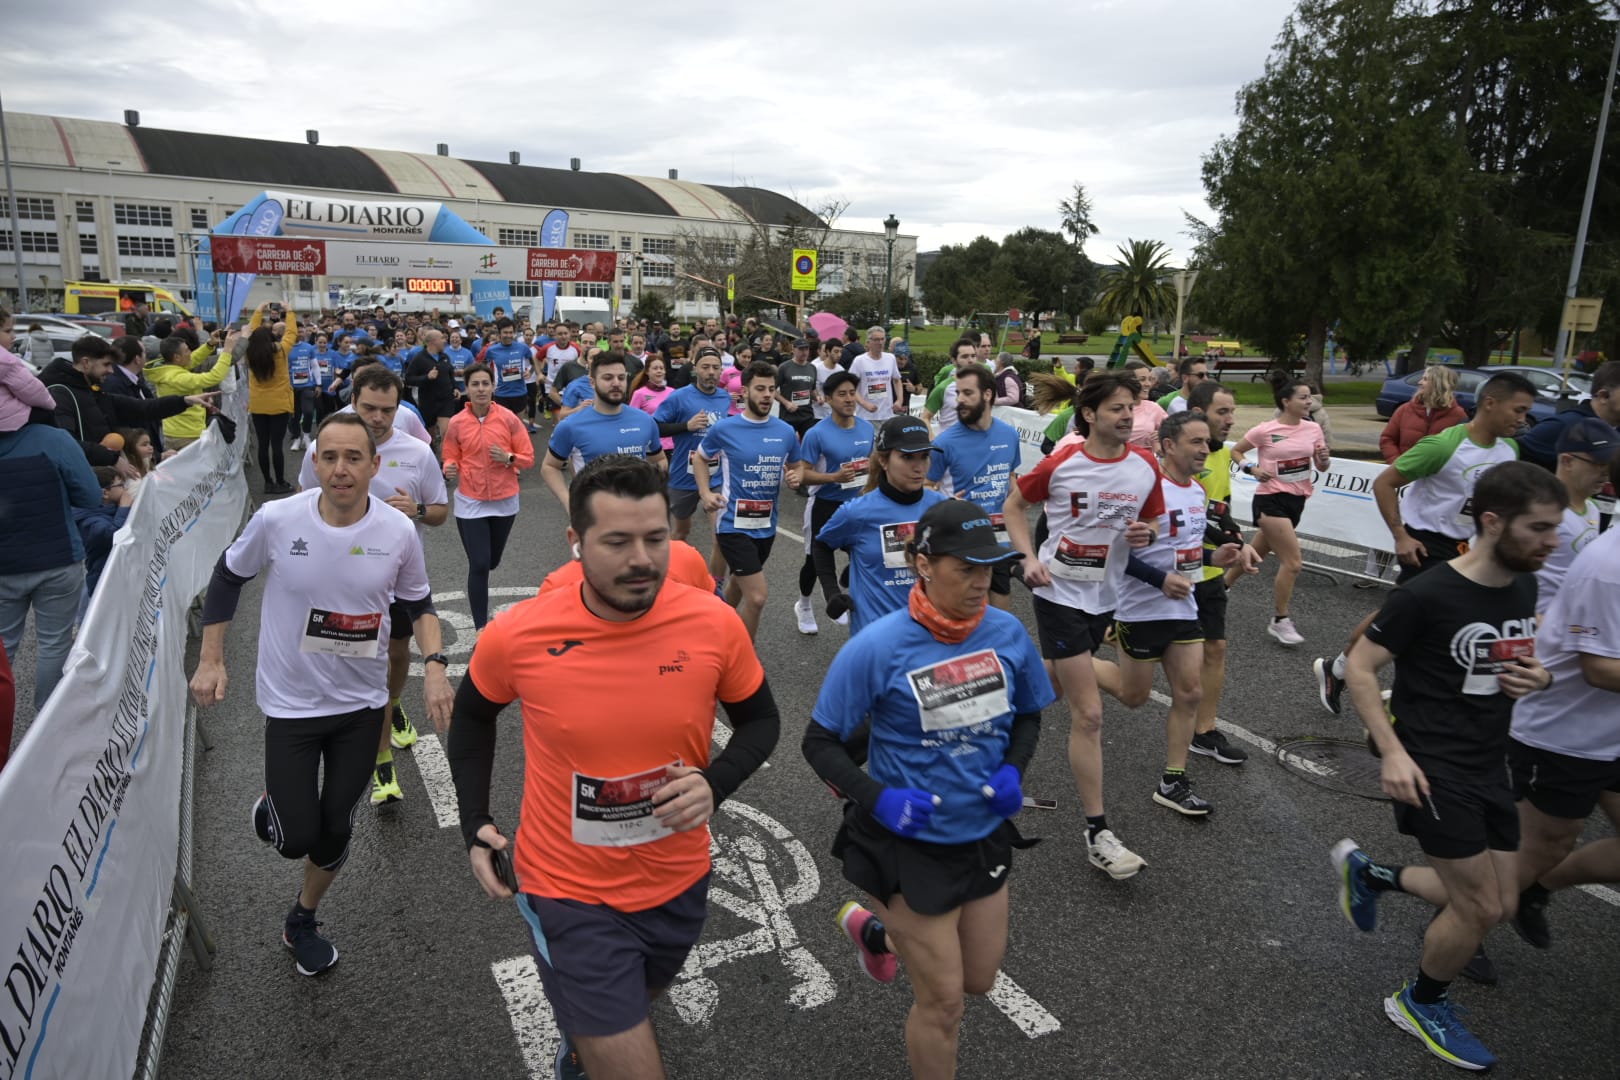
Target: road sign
{"x":1581,"y":314}
{"x":804,"y":269}
{"x":731,"y":288}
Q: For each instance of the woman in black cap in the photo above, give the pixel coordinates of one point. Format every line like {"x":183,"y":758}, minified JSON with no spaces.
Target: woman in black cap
{"x":954,"y":698}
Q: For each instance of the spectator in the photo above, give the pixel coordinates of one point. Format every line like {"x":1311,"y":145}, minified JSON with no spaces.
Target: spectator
{"x":41,"y":350}
{"x":140,"y":453}
{"x":138,"y":320}
{"x":127,"y":377}
{"x":98,"y":524}
{"x":1009,"y":384}
{"x":1032,"y":345}
{"x":41,"y":553}
{"x":1432,"y":409}
{"x":89,"y":415}
{"x":172,"y":373}
{"x":20,"y":389}
{"x":1540,"y":446}
{"x":270,"y":396}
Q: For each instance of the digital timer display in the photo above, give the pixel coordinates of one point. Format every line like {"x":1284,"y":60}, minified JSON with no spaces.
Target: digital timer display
{"x":439,"y":286}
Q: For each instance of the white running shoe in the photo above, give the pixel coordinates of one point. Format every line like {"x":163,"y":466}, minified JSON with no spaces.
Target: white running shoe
{"x":1283,"y":630}
{"x":1112,"y":857}
{"x":842,"y":620}
{"x":807,"y":615}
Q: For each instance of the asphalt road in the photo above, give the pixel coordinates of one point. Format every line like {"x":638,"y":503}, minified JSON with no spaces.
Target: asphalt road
{"x":1226,"y":957}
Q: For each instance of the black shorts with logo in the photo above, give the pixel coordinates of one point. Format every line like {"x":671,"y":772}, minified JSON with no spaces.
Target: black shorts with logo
{"x":743,"y":553}
{"x":1150,"y":639}
{"x":1461,"y":818}
{"x":1438,"y":548}
{"x":934,"y":878}
{"x":1065,"y":631}
{"x":1279,"y":504}
{"x":1560,"y":785}
{"x":1211,"y":597}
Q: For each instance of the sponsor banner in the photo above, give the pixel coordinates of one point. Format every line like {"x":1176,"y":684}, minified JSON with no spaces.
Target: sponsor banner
{"x":269,"y":255}
{"x":90,"y":799}
{"x":570,"y":264}
{"x":309,"y":214}
{"x":553,"y":234}
{"x":487,"y":295}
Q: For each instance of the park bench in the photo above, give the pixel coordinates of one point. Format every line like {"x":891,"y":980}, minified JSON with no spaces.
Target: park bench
{"x":1255,"y":366}
{"x":1072,"y":339}
{"x":1223,"y":348}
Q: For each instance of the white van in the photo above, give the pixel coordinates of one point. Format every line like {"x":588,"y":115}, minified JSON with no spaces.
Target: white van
{"x":583,"y":310}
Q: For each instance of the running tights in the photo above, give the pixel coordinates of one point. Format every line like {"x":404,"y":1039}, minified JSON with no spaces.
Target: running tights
{"x":270,"y":429}
{"x":484,"y":539}
{"x":316,"y":771}
{"x":305,"y":423}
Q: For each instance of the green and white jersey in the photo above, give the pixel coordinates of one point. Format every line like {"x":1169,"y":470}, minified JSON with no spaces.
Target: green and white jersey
{"x":1443,"y":470}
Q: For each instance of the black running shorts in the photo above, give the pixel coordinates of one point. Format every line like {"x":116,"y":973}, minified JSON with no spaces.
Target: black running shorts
{"x":745,"y":554}
{"x":1065,"y":631}
{"x":934,"y":878}
{"x":1557,"y":784}
{"x":1150,"y":639}
{"x":1460,"y":819}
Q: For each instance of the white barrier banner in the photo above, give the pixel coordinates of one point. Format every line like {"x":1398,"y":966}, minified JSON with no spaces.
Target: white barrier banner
{"x":90,"y":800}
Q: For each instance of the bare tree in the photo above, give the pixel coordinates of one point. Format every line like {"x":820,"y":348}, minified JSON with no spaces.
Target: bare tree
{"x":758,"y":253}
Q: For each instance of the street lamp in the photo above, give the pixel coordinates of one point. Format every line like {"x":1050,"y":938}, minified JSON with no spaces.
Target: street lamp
{"x":891,"y":229}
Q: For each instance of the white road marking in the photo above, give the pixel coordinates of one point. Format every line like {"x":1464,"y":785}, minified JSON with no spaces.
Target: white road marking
{"x":1024,"y":1011}
{"x":790,"y":534}
{"x":532,"y":1020}
{"x":435,"y":770}
{"x":1607,"y":895}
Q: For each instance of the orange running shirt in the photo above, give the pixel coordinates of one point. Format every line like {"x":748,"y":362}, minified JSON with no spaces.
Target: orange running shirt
{"x":686,"y":565}
{"x":606,"y":707}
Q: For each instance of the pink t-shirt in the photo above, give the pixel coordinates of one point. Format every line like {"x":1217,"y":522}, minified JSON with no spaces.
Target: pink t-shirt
{"x":1145,"y":421}
{"x":647,"y":400}
{"x":1286,"y":450}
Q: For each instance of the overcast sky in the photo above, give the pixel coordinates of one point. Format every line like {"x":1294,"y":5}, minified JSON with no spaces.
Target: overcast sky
{"x":959,"y":118}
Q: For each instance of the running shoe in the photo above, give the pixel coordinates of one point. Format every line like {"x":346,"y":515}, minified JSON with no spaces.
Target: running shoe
{"x":401,"y":734}
{"x":843,"y":620}
{"x":1112,"y":857}
{"x":1213,"y":744}
{"x":1356,"y":900}
{"x":1531,"y":921}
{"x":1181,"y":798}
{"x":807,"y":615}
{"x":313,"y":953}
{"x":1283,"y":630}
{"x":1480,"y":968}
{"x":569,"y":1067}
{"x":852,"y":919}
{"x":1328,"y":685}
{"x":385,"y":785}
{"x":532,"y":429}
{"x":1439,"y":1028}
{"x":261,"y":819}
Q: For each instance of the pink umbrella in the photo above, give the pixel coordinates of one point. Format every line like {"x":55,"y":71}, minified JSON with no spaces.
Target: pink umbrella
{"x":828,"y":325}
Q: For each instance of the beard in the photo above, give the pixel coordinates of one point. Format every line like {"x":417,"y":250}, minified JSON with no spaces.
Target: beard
{"x":1519,"y":557}
{"x":613,"y":397}
{"x":631,"y":592}
{"x":970,"y":415}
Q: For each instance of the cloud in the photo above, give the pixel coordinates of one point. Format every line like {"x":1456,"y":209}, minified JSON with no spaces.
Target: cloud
{"x":960,"y":118}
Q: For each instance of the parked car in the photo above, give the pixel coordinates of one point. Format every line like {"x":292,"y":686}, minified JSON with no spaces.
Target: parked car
{"x":1402,"y":388}
{"x":62,"y":332}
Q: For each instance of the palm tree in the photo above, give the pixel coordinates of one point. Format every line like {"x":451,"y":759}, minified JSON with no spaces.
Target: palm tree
{"x":1139,"y":284}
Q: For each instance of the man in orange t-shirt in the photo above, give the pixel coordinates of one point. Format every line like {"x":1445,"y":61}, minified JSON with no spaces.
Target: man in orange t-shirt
{"x":687,"y":566}
{"x":612,"y":853}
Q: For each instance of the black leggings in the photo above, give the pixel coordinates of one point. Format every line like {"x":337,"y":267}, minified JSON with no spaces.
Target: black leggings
{"x":306,"y":817}
{"x":484,"y":539}
{"x":306,"y":410}
{"x":270,"y":429}
{"x":819,"y":561}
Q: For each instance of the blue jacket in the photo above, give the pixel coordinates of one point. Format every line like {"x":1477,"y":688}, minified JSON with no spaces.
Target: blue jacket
{"x":1539,"y":445}
{"x":97,"y":527}
{"x":46,"y":476}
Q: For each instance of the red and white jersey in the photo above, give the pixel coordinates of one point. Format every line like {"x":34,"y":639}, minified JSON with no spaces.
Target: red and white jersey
{"x":1089,"y":503}
{"x":1179,"y":549}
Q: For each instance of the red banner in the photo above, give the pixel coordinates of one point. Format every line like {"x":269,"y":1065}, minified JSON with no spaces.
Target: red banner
{"x":570,"y":264}
{"x":268,"y":255}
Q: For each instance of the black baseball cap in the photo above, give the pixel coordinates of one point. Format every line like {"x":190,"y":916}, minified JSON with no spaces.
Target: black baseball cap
{"x":802,"y":343}
{"x":906,"y":434}
{"x":958,"y":527}
{"x":1590,"y":436}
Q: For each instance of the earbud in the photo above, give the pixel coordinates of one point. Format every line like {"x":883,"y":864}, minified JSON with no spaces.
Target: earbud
{"x":576,"y":551}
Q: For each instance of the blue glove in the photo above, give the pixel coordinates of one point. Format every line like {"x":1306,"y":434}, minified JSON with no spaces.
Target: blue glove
{"x":905,"y":811}
{"x":1004,"y":790}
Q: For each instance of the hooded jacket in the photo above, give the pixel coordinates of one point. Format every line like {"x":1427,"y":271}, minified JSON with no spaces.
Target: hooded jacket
{"x":88,"y":414}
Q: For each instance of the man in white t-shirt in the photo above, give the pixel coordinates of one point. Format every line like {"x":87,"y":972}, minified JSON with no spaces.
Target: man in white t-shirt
{"x":335,"y":560}
{"x":879,"y":373}
{"x":1584,"y":451}
{"x":409,"y":480}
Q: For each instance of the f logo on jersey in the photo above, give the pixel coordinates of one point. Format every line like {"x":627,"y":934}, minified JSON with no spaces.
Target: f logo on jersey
{"x":1078,"y":501}
{"x":1177,"y":520}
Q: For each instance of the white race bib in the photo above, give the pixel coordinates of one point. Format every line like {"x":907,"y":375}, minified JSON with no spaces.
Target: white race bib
{"x":753,"y":514}
{"x":960,"y":692}
{"x":1490,"y":660}
{"x":1084,"y":557}
{"x":618,"y":812}
{"x":998,"y":522}
{"x":1190,"y":563}
{"x":895,"y":538}
{"x":860,"y":465}
{"x":336,"y":634}
{"x":1294,"y":470}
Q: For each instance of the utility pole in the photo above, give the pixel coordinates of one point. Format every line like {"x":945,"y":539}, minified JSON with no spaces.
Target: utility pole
{"x":16,"y":214}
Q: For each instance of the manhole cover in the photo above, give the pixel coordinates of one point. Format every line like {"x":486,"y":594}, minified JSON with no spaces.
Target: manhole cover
{"x":1337,"y":764}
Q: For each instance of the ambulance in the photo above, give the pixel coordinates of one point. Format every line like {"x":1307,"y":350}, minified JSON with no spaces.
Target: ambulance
{"x":114,"y":298}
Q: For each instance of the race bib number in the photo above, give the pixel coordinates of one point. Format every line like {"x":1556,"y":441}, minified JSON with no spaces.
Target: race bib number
{"x":1465,"y":515}
{"x":1084,"y":558}
{"x":1491,"y":658}
{"x":1294,"y":470}
{"x":325,"y":369}
{"x":960,"y":692}
{"x":895,"y":539}
{"x":998,"y":522}
{"x":1190,"y":562}
{"x":512,"y":373}
{"x":800,"y":397}
{"x":337,"y":634}
{"x":753,"y":514}
{"x":618,"y":812}
{"x":860,"y":465}
{"x":878,"y":389}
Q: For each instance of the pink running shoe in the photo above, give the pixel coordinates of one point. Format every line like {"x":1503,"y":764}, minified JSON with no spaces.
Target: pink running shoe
{"x":852,"y":919}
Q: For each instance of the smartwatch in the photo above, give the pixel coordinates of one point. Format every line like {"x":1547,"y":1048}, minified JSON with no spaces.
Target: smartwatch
{"x":421,"y":511}
{"x":511,"y":459}
{"x":436,"y":658}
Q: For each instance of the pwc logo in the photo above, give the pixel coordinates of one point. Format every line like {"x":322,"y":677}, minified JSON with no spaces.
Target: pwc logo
{"x":677,"y":665}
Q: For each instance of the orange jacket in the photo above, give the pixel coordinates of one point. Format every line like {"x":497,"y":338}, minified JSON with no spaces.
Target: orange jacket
{"x":467,"y":443}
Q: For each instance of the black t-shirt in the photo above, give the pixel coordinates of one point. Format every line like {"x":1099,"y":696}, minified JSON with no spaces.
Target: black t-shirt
{"x":570,"y":370}
{"x":678,"y":373}
{"x":1451,"y":636}
{"x":797,"y":383}
{"x":851,"y":351}
{"x":769,"y":356}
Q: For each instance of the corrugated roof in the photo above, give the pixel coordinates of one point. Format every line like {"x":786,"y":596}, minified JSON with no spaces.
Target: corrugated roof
{"x":608,"y":192}
{"x":258,"y":161}
{"x":768,"y":207}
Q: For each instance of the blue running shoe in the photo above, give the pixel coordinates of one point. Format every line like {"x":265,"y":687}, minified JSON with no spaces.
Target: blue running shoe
{"x":1439,"y":1028}
{"x":568,"y":1065}
{"x":1359,"y":903}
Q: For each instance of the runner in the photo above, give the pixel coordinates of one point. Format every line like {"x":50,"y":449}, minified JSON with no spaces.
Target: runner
{"x":484,"y":450}
{"x":432,"y":374}
{"x":648,"y":391}
{"x":1100,"y":498}
{"x":1585,"y":450}
{"x":408,"y":479}
{"x":1564,"y":750}
{"x":879,"y":375}
{"x":612,"y":855}
{"x":955,"y":695}
{"x":1462,"y":639}
{"x":752,"y":450}
{"x":836,"y":453}
{"x":603,"y":426}
{"x":301,"y":370}
{"x":875,"y":527}
{"x":796,"y":389}
{"x":513,"y":363}
{"x":976,"y":459}
{"x":940,"y":404}
{"x":1288,"y":447}
{"x":826,"y":366}
{"x":684,"y":417}
{"x":1147,"y":417}
{"x":320,"y":680}
{"x":1431,"y":519}
{"x":687,"y":566}
{"x":559,"y":351}
{"x":1192,"y":370}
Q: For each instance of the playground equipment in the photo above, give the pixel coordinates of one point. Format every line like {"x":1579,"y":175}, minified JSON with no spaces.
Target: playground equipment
{"x":1130,"y":340}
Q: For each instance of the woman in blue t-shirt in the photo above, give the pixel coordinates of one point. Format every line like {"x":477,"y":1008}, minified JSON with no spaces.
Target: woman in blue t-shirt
{"x":954,"y":696}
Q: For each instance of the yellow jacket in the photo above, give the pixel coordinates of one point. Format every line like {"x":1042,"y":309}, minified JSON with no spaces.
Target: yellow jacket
{"x":173,"y":379}
{"x":276,"y":395}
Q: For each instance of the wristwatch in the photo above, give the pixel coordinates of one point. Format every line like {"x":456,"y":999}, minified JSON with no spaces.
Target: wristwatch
{"x":511,"y":459}
{"x":421,"y":511}
{"x":436,"y":658}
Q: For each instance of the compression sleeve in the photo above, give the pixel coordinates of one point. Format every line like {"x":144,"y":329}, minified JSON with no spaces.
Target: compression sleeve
{"x":471,"y":752}
{"x":756,"y":725}
{"x":1026,"y":732}
{"x":1144,"y":571}
{"x":418,"y":608}
{"x":673,"y":428}
{"x":224,"y":592}
{"x":831,"y":761}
